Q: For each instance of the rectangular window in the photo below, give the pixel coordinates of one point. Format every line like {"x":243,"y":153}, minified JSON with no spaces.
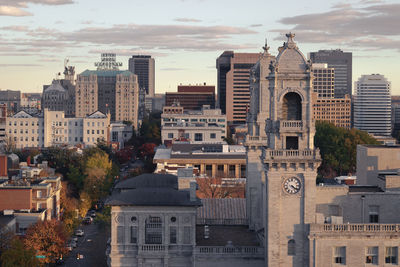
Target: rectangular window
{"x":186,"y":235}
{"x":171,"y":135}
{"x":374,"y":214}
{"x":153,"y":230}
{"x":134,"y":234}
{"x":120,"y":234}
{"x":339,"y":255}
{"x":172,"y":234}
{"x":371,"y":255}
{"x":391,"y":255}
{"x":198,"y":137}
{"x":212,"y":135}
{"x":39,"y":194}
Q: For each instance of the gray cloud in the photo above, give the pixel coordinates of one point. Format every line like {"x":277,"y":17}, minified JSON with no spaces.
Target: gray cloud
{"x":187,"y":20}
{"x":16,"y":8}
{"x":369,"y":27}
{"x":13,"y":11}
{"x":125,"y":40}
{"x":255,"y":25}
{"x":184,"y":37}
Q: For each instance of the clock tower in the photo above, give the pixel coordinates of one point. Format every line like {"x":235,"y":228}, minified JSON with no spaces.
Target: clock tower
{"x":288,"y":158}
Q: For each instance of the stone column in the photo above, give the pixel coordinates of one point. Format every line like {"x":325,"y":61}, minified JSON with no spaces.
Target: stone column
{"x":202,"y":168}
{"x":237,"y":170}
{"x":214,"y":170}
{"x":226,"y":170}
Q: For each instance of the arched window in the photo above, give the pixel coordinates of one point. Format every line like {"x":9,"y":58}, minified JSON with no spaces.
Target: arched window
{"x":291,"y":247}
{"x":153,"y":230}
{"x":291,"y":107}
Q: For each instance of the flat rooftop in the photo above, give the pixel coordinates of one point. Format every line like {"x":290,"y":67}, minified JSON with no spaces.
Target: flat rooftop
{"x":220,"y":235}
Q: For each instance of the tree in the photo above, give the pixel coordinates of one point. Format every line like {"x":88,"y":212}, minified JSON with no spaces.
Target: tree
{"x":18,"y":255}
{"x":9,"y":145}
{"x":338,"y":147}
{"x":47,"y":238}
{"x":212,"y":187}
{"x":85,"y":202}
{"x":69,"y":205}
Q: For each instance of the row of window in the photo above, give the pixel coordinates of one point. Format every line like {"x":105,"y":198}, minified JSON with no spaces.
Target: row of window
{"x":197,"y":136}
{"x":371,"y":255}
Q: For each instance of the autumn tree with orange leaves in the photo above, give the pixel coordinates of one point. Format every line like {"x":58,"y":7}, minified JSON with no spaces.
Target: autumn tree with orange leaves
{"x":47,"y":238}
{"x":212,"y":187}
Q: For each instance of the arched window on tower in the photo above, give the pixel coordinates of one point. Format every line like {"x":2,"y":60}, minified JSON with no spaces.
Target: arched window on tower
{"x":291,"y":247}
{"x":291,"y":107}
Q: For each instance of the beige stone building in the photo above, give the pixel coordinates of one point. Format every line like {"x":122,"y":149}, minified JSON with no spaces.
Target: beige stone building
{"x":108,"y":89}
{"x":52,"y":128}
{"x":335,"y":110}
{"x":302,"y":224}
{"x":326,"y":107}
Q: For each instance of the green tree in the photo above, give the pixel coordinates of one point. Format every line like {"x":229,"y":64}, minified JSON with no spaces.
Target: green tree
{"x":338,"y":147}
{"x":17,"y":255}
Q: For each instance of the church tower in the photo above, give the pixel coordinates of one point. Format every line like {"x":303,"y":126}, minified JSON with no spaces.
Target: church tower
{"x":288,"y":158}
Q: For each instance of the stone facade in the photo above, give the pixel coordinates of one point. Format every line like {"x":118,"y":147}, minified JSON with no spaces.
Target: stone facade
{"x":303,"y":224}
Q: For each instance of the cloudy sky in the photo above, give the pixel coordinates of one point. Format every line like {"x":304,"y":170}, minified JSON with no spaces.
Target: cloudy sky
{"x":186,"y":36}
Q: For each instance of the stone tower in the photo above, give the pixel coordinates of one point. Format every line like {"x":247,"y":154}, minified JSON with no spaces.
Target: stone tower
{"x":281,"y":135}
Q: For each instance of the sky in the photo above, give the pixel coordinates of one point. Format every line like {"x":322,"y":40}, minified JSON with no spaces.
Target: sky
{"x":186,"y":36}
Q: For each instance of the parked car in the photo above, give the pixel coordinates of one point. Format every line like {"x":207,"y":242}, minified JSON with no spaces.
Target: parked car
{"x":92,"y":213}
{"x":74,"y":238}
{"x":79,"y":232}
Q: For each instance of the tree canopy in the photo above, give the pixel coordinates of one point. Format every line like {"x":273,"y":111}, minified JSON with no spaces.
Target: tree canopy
{"x":338,"y":147}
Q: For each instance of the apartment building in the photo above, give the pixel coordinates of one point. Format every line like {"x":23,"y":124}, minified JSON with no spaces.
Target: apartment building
{"x":192,"y":97}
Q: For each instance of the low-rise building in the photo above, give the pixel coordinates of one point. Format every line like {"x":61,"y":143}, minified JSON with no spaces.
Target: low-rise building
{"x":52,"y":128}
{"x":120,"y":133}
{"x":154,"y":223}
{"x":210,"y":160}
{"x":206,"y":125}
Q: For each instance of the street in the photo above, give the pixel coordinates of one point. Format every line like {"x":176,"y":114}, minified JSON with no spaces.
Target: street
{"x":92,"y":246}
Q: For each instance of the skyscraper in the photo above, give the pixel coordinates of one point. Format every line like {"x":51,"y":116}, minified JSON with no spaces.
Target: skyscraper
{"x":108,"y":89}
{"x":326,"y":107}
{"x":372,"y":105}
{"x":144,"y":67}
{"x":342,"y":63}
{"x":233,"y":84}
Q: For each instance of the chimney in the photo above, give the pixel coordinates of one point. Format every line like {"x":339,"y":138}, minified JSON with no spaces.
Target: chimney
{"x":193,"y":187}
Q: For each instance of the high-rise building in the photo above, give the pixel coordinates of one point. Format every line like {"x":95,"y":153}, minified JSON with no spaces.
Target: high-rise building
{"x":233,"y":84}
{"x":324,"y":80}
{"x":372,"y":105}
{"x":342,"y":63}
{"x":327,"y":107}
{"x":192,"y":97}
{"x":144,"y":67}
{"x":108,"y":89}
{"x":396,"y":115}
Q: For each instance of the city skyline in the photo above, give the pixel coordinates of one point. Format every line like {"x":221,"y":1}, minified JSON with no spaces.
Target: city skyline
{"x":37,"y":35}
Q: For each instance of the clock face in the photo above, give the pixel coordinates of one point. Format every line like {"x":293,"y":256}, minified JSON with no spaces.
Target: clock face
{"x":292,"y":185}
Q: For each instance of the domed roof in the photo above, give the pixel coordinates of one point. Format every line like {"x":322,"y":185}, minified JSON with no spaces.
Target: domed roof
{"x":290,"y":59}
{"x":55,"y":86}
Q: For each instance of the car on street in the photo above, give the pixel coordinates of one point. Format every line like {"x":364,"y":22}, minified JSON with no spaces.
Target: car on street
{"x":87,"y":220}
{"x":72,"y":243}
{"x":79,"y":232}
{"x":92,"y":213}
{"x":69,"y":247}
{"x":74,"y":238}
